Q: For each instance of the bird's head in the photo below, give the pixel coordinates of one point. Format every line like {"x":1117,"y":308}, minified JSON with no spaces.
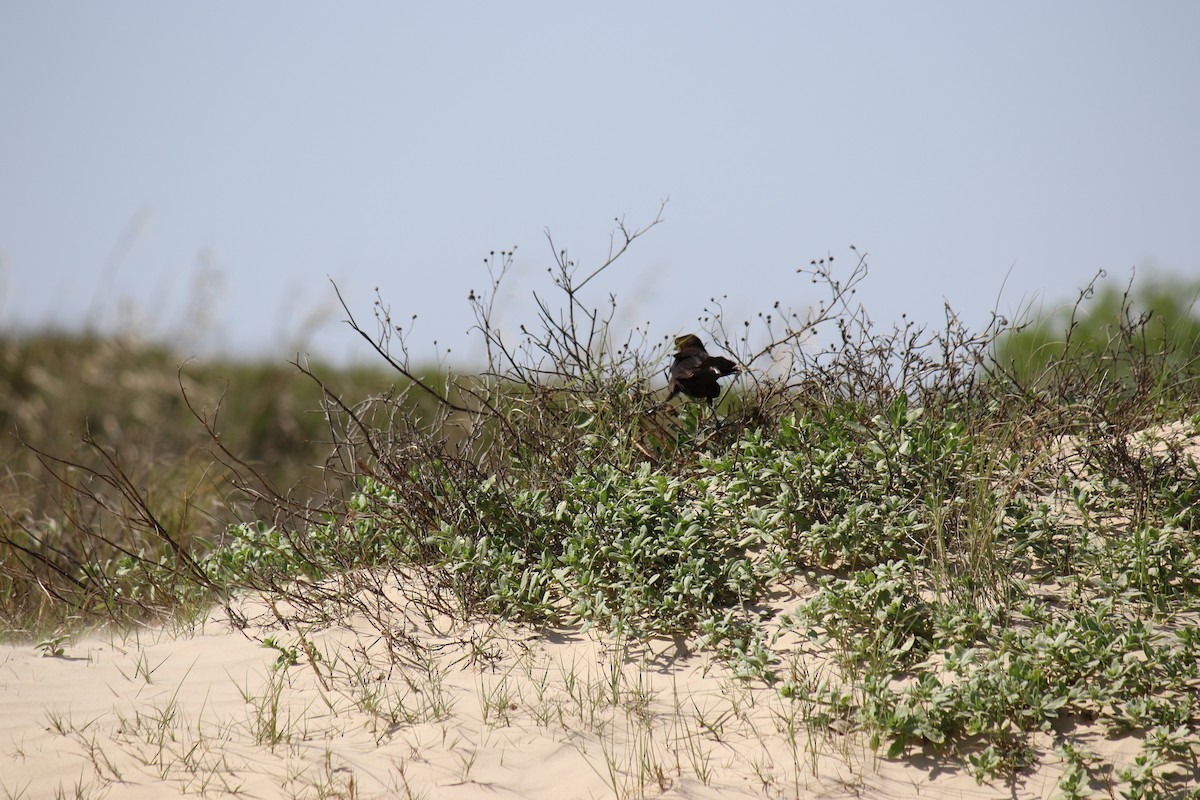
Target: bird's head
{"x":688,"y":341}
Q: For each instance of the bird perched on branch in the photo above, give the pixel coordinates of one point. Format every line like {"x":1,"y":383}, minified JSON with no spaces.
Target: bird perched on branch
{"x":695,"y":372}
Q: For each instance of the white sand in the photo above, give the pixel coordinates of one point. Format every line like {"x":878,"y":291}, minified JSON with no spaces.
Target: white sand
{"x":493,"y":713}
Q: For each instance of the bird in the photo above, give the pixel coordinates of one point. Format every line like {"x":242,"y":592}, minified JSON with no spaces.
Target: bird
{"x":695,"y":372}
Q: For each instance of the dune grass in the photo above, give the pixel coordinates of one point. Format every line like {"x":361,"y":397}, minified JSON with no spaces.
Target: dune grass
{"x":993,"y":534}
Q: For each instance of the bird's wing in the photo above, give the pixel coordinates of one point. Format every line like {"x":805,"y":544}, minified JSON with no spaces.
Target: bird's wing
{"x":721,"y":364}
{"x":687,"y":373}
{"x":686,"y":365}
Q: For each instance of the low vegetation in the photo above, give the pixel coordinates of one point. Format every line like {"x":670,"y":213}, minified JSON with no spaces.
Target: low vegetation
{"x":992,"y":535}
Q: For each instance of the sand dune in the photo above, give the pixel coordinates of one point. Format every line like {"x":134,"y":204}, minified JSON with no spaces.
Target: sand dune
{"x":474,"y":712}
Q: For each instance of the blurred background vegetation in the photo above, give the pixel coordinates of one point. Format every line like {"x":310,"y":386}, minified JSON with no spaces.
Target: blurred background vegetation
{"x":1144,"y":330}
{"x":133,"y":400}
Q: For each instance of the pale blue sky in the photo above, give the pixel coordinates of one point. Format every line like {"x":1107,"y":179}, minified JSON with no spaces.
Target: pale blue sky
{"x":268,"y":145}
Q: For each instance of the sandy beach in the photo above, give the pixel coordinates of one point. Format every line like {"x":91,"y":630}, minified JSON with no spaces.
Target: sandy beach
{"x":482,"y":711}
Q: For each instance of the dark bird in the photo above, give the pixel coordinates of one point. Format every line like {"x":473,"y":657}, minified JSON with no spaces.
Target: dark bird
{"x":695,"y":372}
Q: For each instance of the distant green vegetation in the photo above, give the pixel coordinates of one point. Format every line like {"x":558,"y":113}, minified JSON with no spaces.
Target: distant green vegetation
{"x":994,"y":533}
{"x":1122,"y":338}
